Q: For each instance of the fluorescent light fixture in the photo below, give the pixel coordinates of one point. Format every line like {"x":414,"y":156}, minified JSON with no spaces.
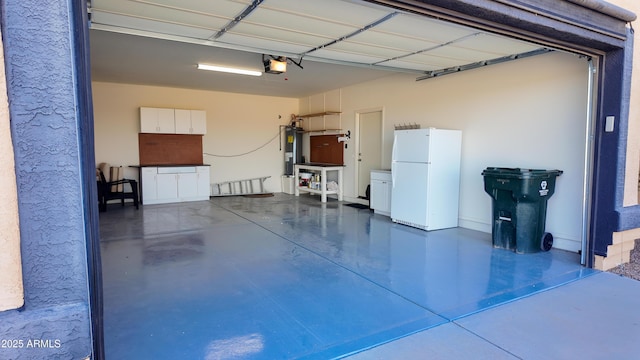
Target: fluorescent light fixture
{"x":229,"y":70}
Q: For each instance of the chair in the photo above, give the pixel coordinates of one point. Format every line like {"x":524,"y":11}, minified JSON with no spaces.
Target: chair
{"x":115,"y":190}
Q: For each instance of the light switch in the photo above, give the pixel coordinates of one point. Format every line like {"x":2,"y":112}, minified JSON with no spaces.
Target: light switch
{"x":609,"y":123}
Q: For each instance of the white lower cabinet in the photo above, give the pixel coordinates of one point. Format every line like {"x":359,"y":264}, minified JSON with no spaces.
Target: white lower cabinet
{"x":380,"y":194}
{"x":174,"y":184}
{"x":187,"y":186}
{"x":167,"y":187}
{"x":149,"y":184}
{"x":204,"y":185}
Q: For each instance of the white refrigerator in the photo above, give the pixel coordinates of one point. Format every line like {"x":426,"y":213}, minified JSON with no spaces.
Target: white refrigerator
{"x":425,"y":177}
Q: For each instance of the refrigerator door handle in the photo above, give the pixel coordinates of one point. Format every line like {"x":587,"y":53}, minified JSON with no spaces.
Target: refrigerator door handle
{"x":393,"y":149}
{"x":393,"y":161}
{"x":393,"y":174}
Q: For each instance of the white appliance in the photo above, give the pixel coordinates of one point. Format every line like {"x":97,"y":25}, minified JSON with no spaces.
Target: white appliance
{"x":425,"y":178}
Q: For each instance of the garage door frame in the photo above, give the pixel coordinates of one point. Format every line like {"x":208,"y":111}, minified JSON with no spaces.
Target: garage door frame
{"x":564,"y":24}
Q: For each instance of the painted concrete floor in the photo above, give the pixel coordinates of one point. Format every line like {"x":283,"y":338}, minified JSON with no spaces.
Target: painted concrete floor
{"x":287,"y":277}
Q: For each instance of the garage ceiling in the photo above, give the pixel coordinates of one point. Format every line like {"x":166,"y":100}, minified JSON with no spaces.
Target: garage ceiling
{"x":336,"y":42}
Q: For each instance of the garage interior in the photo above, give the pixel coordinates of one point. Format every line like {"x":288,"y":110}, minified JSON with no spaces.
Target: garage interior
{"x":518,"y":104}
{"x":540,"y":101}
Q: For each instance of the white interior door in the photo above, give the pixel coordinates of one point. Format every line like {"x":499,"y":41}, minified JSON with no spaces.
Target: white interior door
{"x":369,"y":147}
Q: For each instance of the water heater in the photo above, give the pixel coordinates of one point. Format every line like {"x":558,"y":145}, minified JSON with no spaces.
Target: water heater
{"x":292,"y":148}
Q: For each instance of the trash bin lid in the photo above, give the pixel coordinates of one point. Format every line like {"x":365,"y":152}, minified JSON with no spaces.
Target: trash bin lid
{"x":518,"y":173}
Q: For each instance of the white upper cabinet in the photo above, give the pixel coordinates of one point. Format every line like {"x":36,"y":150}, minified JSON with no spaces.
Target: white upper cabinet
{"x":199,"y":121}
{"x":173,"y":121}
{"x":191,"y":121}
{"x":157,"y":120}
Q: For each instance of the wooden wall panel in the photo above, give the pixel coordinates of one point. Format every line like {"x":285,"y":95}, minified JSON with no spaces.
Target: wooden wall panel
{"x":170,"y":149}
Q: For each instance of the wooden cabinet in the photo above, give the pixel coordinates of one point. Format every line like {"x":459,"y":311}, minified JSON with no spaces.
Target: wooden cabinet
{"x":173,"y":121}
{"x":191,"y":121}
{"x":380,"y":192}
{"x":156,"y":120}
{"x":174,"y":184}
{"x":326,"y":149}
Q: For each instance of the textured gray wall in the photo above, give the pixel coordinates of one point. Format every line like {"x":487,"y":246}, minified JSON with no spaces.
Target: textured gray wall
{"x":54,"y":323}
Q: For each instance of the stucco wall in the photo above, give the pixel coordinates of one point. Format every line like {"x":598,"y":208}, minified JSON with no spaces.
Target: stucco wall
{"x":619,"y":252}
{"x":39,"y":60}
{"x":633,"y":140}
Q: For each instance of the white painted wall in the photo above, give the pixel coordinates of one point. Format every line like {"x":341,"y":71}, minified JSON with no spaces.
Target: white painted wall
{"x":529,"y":113}
{"x":236,"y":124}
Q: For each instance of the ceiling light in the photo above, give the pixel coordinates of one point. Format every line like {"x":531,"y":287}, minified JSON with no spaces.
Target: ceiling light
{"x":275,"y":65}
{"x":229,"y":70}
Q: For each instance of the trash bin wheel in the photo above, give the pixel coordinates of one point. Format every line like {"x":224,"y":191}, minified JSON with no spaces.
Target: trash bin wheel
{"x":547,"y":242}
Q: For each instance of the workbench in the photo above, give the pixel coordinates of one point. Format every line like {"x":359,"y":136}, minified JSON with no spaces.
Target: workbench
{"x":322,"y":169}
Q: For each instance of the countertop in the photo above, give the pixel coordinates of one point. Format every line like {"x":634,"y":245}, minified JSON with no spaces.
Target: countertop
{"x":319,"y":164}
{"x":168,"y":165}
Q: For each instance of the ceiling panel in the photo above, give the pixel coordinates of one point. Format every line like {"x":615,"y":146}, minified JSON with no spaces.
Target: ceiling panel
{"x":262,"y":45}
{"x":358,"y":48}
{"x":222,"y":8}
{"x":347,"y":32}
{"x":411,"y":65}
{"x":135,"y":23}
{"x":357,"y":14}
{"x":458,"y":54}
{"x":296,"y":23}
{"x":150,"y":11}
{"x":433,"y":62}
{"x":383,"y":39}
{"x":347,"y":56}
{"x":426,"y":29}
{"x":306,"y":40}
{"x":494,"y":44}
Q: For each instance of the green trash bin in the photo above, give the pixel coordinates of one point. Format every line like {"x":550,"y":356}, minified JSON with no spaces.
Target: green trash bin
{"x":519,"y":207}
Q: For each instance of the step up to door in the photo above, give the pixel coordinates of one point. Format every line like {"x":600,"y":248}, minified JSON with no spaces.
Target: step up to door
{"x":253,"y":186}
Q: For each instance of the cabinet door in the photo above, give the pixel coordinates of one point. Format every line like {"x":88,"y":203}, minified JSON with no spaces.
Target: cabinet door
{"x":167,"y":187}
{"x":166,"y":121}
{"x":380,"y":199}
{"x":191,"y":122}
{"x":148,"y":120}
{"x":187,"y":186}
{"x":386,"y":197}
{"x":377,"y":195}
{"x":183,"y":121}
{"x":156,"y":120}
{"x":198,"y":122}
{"x":204,"y":185}
{"x":149,"y":185}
